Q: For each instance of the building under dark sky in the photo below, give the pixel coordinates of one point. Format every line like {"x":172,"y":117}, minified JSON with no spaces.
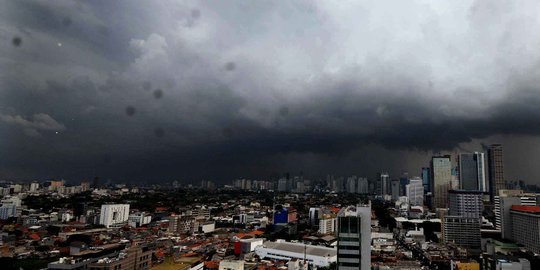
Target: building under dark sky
{"x":496,"y":169}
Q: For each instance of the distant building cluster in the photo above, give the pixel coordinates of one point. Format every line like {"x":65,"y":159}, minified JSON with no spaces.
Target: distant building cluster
{"x":457,"y":214}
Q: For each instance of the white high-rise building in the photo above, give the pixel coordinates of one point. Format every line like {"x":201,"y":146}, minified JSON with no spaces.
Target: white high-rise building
{"x":526,"y":226}
{"x":384,"y":183}
{"x":327,"y":225}
{"x":354,"y":238}
{"x":34,"y":187}
{"x":113,"y":214}
{"x":363,"y":185}
{"x":503,"y":204}
{"x":351,"y":184}
{"x":415,"y":192}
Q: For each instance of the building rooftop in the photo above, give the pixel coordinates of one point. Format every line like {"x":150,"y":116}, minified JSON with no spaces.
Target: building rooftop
{"x":299,"y":248}
{"x":459,"y":191}
{"x":526,"y":209}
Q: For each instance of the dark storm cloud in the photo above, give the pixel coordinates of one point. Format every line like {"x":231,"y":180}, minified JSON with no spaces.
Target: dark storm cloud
{"x":206,"y":89}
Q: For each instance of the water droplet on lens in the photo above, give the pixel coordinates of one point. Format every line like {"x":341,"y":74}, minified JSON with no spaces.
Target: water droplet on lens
{"x":130,"y":111}
{"x":17,"y":41}
{"x":230,"y":66}
{"x":195,"y":13}
{"x":158,"y":93}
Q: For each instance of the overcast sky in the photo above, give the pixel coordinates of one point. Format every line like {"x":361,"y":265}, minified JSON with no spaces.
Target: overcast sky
{"x":186,"y":90}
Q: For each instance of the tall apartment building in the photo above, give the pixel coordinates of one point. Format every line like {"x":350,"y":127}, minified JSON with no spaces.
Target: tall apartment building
{"x":462,"y":231}
{"x":355,"y":184}
{"x":327,"y":224}
{"x":463,"y":223}
{"x":526,"y":226}
{"x":496,"y":169}
{"x":441,"y":177}
{"x":113,"y":214}
{"x":465,"y":203}
{"x":415,"y":192}
{"x":384,"y":183}
{"x":354,"y":238}
{"x":471,"y":171}
{"x":34,"y":187}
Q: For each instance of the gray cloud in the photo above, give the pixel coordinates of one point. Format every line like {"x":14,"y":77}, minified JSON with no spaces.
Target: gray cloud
{"x":38,"y":122}
{"x":226,"y":87}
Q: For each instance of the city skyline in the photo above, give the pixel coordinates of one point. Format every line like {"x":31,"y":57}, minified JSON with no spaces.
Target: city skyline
{"x":199,"y":90}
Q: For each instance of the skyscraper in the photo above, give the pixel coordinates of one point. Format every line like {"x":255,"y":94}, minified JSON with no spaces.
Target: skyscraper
{"x":426,"y":179}
{"x":496,"y":169}
{"x":395,"y":189}
{"x":384,"y":183}
{"x":415,"y":192}
{"x":354,"y":238}
{"x":471,"y":168}
{"x":441,"y":176}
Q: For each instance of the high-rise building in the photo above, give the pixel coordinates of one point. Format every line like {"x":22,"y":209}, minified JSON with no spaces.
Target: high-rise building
{"x":314,"y":216}
{"x":384,"y":183}
{"x":465,"y":203}
{"x":463,"y":223}
{"x":462,"y":231}
{"x":441,"y":176}
{"x":394,"y":189}
{"x":403,"y":182}
{"x":471,"y":171}
{"x":8,"y":210}
{"x":426,"y":182}
{"x":114,"y":214}
{"x":327,"y":224}
{"x":415,"y":192}
{"x":363,"y":185}
{"x":496,"y":169}
{"x":354,"y":238}
{"x":34,"y":187}
{"x":503,"y":204}
{"x":526,"y":226}
{"x":352,"y":184}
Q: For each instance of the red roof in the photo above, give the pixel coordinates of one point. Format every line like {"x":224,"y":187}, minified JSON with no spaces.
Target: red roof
{"x":211,"y":264}
{"x":334,"y":209}
{"x":526,"y":208}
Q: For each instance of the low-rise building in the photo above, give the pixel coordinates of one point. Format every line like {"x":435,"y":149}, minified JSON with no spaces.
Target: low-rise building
{"x":231,"y":265}
{"x":282,"y":250}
